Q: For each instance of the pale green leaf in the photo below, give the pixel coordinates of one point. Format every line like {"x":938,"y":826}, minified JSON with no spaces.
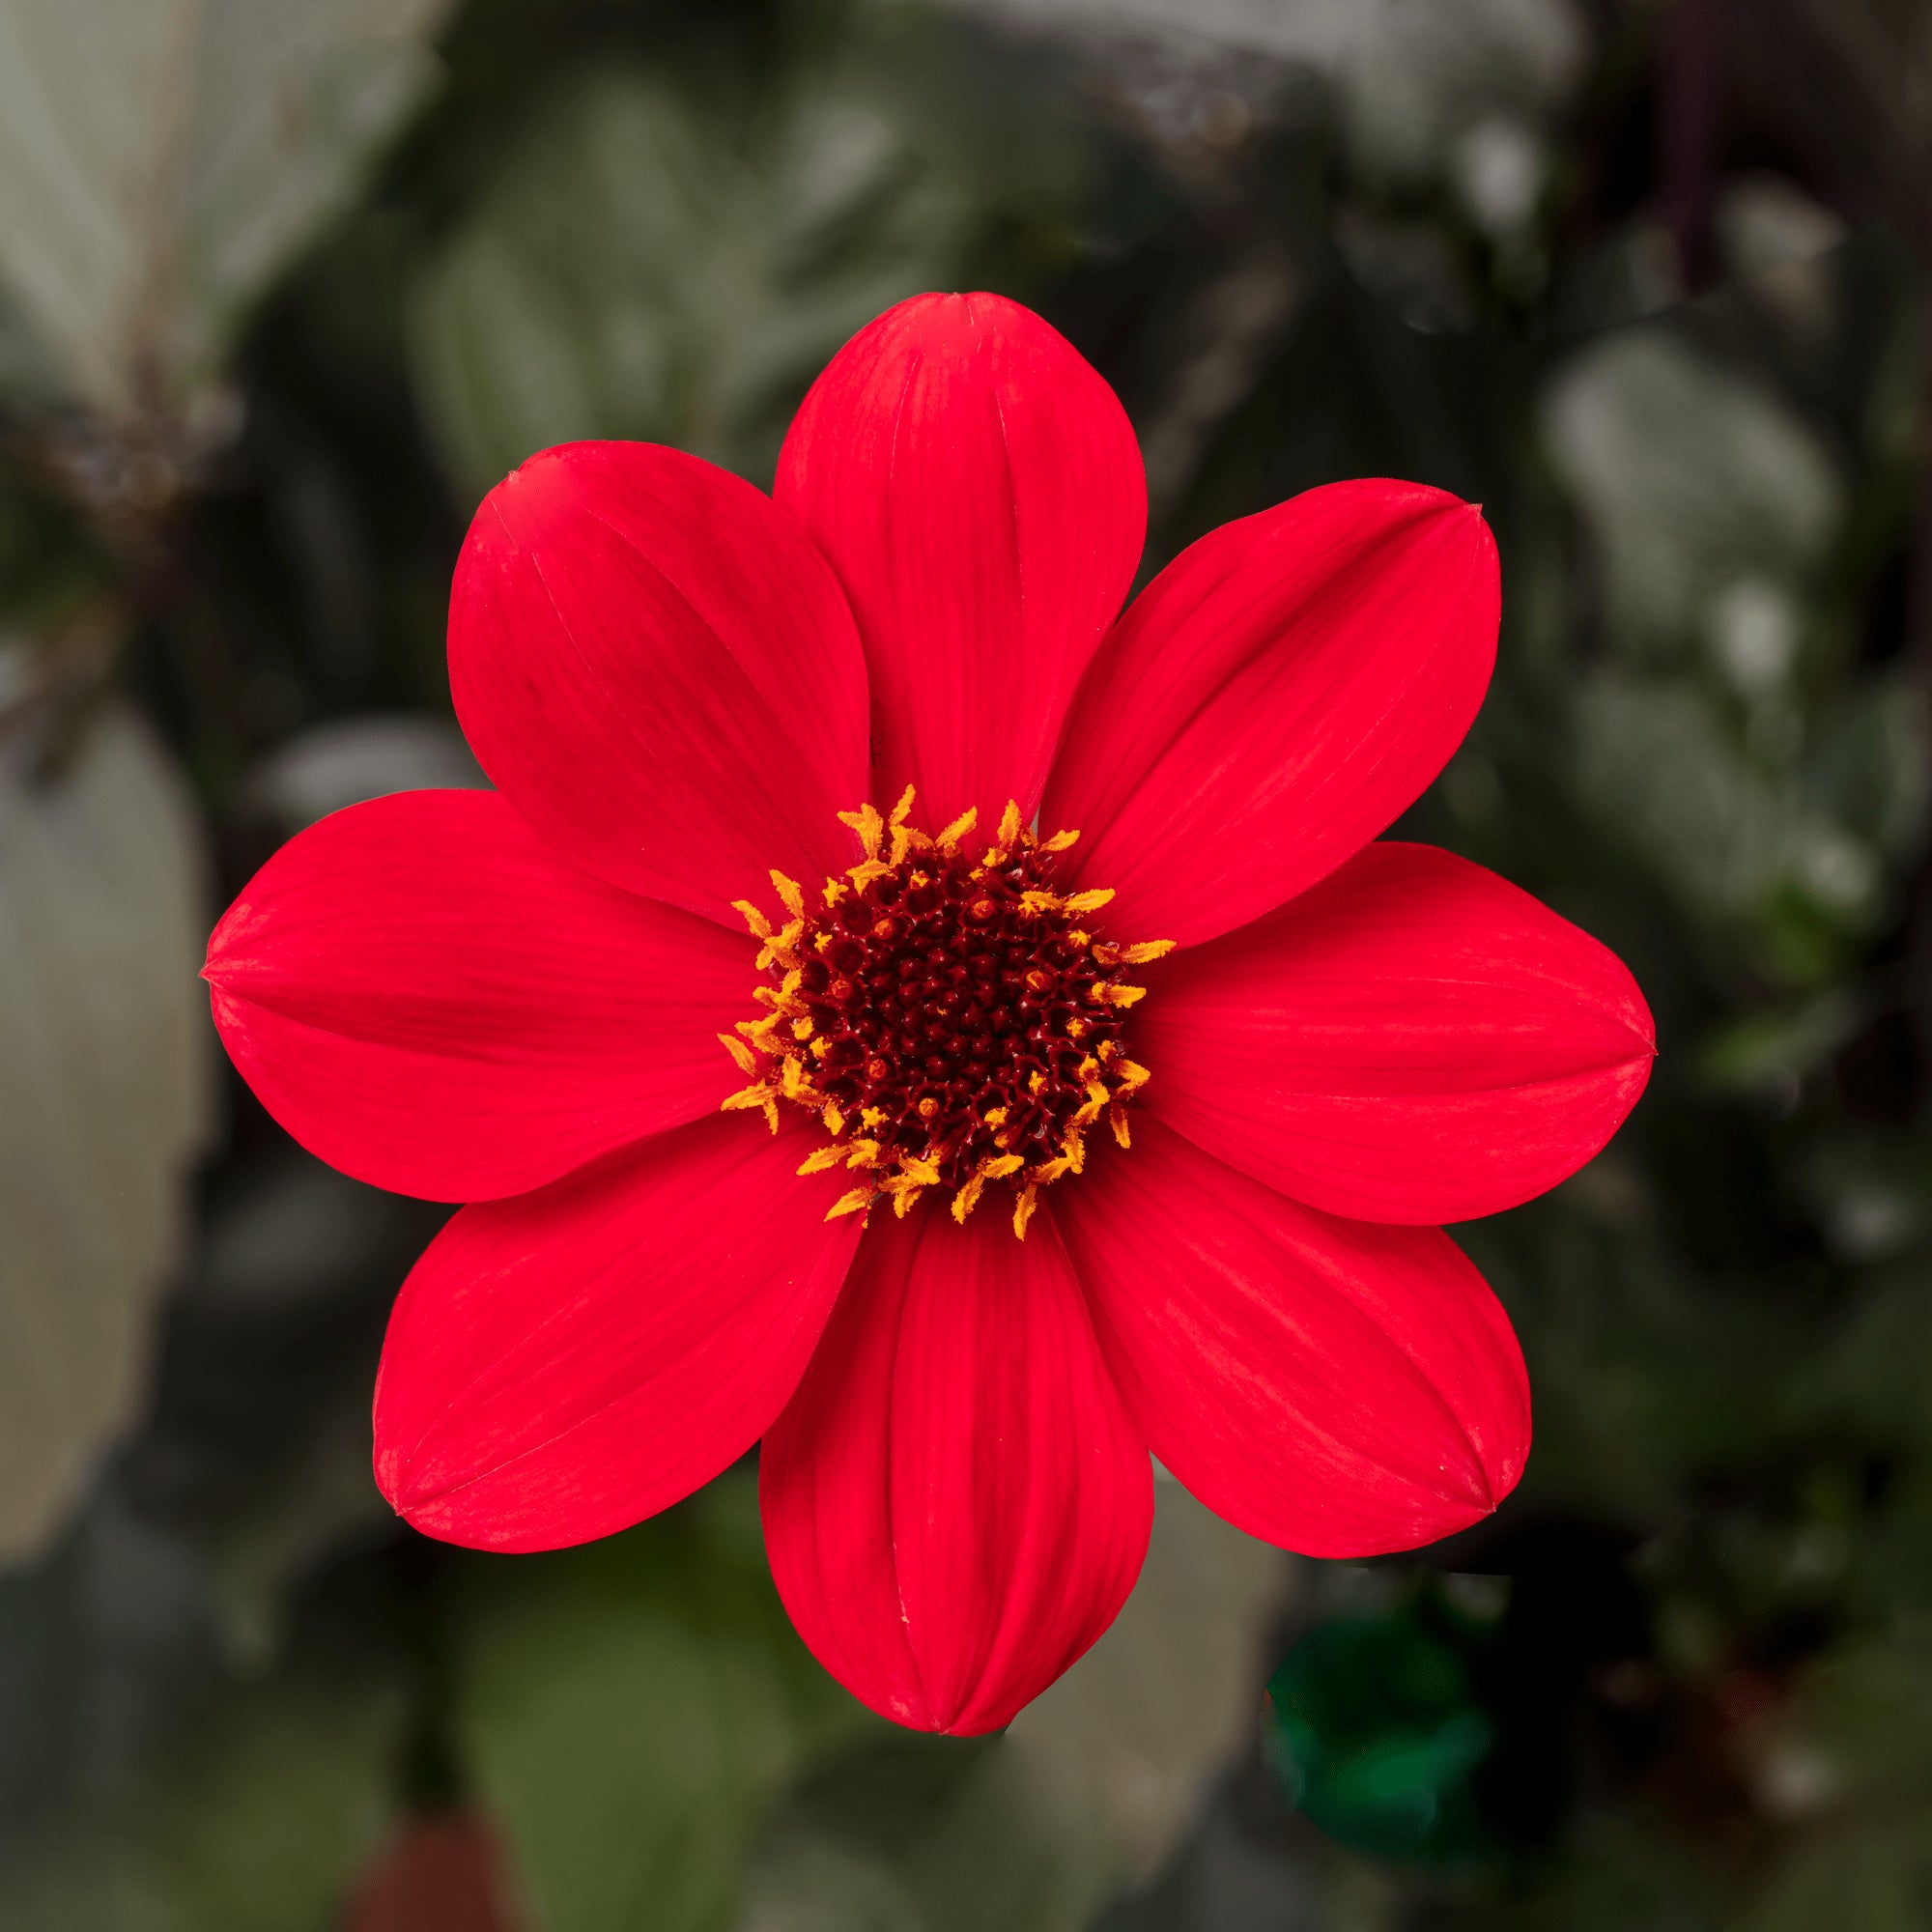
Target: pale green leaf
{"x":104,"y":1057}
{"x":633,"y":1708}
{"x":160,"y":159}
{"x":657,"y":263}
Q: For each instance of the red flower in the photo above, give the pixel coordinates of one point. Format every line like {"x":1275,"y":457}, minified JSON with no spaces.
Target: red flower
{"x":682,"y":691}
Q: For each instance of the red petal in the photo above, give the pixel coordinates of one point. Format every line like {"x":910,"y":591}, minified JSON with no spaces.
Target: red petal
{"x":980,"y":493}
{"x":1413,"y":1040}
{"x":426,"y":998}
{"x":1334,"y":1386}
{"x":561,"y":1365}
{"x":955,"y":1504}
{"x":661,"y":673}
{"x":1272,"y":700}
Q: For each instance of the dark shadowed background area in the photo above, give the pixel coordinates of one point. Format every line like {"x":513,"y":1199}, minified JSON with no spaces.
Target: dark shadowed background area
{"x":285,"y":285}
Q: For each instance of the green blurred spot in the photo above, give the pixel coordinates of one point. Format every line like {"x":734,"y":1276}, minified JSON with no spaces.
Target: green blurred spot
{"x":1373,"y":1730}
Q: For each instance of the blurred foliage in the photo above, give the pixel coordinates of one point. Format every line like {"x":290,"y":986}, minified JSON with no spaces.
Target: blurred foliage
{"x":285,"y":285}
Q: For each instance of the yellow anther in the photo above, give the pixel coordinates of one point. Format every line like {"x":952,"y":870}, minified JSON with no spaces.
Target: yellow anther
{"x":873,"y":1117}
{"x":1049,"y":1171}
{"x":782,"y":946}
{"x":1036,"y":1082}
{"x":820,"y":1047}
{"x":1000,"y":1165}
{"x":1010,"y":822}
{"x":1119,"y":1121}
{"x":1092,"y":901}
{"x":914,"y":1168}
{"x":1023,"y":1209}
{"x":1075,"y":1150}
{"x":1059,"y":842}
{"x":863,"y":876}
{"x":861,"y":1154}
{"x":820,"y":1158}
{"x":968,"y":1197}
{"x":747,"y":1060}
{"x":902,"y":811}
{"x":1147,"y":951}
{"x":835,"y":1121}
{"x":834,"y":890}
{"x":995,"y":1116}
{"x":801,"y":1029}
{"x":1132,"y":1077}
{"x":761,"y":926}
{"x":948,"y":840}
{"x":745,"y":1099}
{"x":796,"y":1080}
{"x":854,"y":1202}
{"x":1036,"y":900}
{"x":870,"y":826}
{"x":1117,"y":996}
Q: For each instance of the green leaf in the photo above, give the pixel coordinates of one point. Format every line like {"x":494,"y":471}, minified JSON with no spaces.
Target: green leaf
{"x":660,"y":262}
{"x":160,"y":159}
{"x":103,"y":1062}
{"x":633,"y":1708}
{"x":1693,"y":481}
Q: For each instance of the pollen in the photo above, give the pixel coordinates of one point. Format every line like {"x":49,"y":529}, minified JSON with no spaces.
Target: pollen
{"x":951,"y":1019}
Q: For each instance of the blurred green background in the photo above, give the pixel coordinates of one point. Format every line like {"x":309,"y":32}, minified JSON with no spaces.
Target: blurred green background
{"x":285,"y":285}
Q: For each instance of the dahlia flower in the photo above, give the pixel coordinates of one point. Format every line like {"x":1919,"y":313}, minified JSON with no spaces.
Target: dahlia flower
{"x":899,"y":1010}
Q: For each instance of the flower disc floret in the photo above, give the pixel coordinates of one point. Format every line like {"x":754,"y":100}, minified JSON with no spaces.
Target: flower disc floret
{"x":952,"y":1019}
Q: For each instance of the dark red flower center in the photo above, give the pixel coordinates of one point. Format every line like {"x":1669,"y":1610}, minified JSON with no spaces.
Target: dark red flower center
{"x":952,"y":1016}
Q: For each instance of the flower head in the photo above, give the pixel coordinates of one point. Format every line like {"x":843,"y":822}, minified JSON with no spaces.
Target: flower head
{"x":863,"y":890}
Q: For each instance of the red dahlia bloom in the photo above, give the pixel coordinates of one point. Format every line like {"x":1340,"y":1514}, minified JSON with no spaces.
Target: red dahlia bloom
{"x":735,"y":1189}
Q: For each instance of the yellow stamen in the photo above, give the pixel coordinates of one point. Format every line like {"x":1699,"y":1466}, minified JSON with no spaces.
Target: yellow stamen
{"x":1059,"y":842}
{"x":747,"y":1060}
{"x":968,"y":1197}
{"x":869,"y":825}
{"x":1091,"y":902}
{"x":1010,"y":822}
{"x":820,"y":1158}
{"x":948,"y":840}
{"x":1023,"y":1207}
{"x":854,"y":1202}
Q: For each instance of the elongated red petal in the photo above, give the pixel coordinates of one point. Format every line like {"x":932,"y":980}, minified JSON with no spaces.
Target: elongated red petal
{"x":660,"y":675}
{"x":427,"y":999}
{"x":1272,"y":700}
{"x":564,"y":1364}
{"x":980,"y":493}
{"x":955,"y":1504}
{"x":1413,"y":1040}
{"x":1334,"y":1386}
